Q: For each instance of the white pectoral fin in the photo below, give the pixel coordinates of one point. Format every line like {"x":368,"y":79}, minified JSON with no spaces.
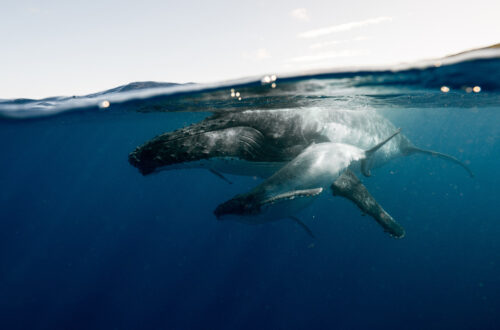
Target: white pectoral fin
{"x":289,"y":195}
{"x":253,"y":202}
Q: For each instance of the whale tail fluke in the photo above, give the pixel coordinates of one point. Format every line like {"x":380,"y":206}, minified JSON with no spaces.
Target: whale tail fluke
{"x":412,"y":150}
{"x":366,"y":163}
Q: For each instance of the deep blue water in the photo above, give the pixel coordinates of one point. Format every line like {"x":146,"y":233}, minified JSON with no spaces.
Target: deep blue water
{"x":86,"y":242}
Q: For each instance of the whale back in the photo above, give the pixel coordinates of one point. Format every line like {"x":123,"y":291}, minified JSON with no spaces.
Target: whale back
{"x":259,"y":137}
{"x":295,"y":185}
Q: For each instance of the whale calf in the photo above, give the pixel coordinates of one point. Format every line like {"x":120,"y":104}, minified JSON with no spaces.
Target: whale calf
{"x":289,"y":148}
{"x":259,"y":142}
{"x":307,"y":176}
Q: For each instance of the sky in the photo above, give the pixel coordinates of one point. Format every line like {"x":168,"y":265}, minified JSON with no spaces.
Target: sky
{"x":50,"y":48}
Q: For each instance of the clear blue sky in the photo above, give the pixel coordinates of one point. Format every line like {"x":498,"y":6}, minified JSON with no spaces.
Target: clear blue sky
{"x":66,"y":48}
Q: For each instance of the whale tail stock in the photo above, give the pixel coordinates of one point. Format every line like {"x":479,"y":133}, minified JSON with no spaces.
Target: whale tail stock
{"x":413,"y":150}
{"x":366,"y":162}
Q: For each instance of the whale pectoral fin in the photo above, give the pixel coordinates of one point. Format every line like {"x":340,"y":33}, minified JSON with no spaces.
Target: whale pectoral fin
{"x":349,"y":186}
{"x":252,"y":203}
{"x":303,"y":225}
{"x":289,"y":195}
{"x":412,"y":150}
{"x":220,"y":175}
{"x":186,"y":145}
{"x":366,"y":165}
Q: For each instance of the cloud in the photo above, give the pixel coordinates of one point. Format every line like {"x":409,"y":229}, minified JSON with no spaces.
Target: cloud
{"x":342,"y":27}
{"x":37,"y":11}
{"x":326,"y":56}
{"x":325,"y":44}
{"x":300,"y":14}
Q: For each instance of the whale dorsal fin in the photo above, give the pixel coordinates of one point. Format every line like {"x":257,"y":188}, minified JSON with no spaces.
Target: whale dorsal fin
{"x":349,"y":186}
{"x":365,"y":168}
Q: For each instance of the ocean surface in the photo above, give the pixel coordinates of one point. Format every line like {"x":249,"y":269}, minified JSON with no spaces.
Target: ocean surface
{"x":87,"y":242}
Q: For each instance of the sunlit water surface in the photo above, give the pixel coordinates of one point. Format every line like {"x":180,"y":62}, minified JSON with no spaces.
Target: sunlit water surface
{"x":86,"y":242}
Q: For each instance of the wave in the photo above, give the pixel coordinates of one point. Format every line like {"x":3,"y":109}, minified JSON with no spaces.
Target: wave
{"x":459,"y":73}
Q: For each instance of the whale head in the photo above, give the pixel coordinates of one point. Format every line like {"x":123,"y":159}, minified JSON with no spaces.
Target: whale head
{"x":241,"y":205}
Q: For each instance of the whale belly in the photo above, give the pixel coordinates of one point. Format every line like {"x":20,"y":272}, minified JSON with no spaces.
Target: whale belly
{"x":228,"y":165}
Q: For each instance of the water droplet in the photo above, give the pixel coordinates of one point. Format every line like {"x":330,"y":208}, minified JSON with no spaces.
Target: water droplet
{"x":104,"y":104}
{"x":445,"y":89}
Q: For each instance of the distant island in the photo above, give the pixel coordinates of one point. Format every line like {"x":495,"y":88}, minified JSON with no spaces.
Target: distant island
{"x":475,"y":50}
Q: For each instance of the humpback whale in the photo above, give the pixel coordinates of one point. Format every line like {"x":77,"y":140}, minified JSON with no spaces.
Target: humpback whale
{"x":300,"y":152}
{"x":259,"y":142}
{"x":307,"y":176}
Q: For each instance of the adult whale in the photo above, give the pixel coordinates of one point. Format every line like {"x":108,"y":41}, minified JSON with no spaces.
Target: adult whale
{"x":259,"y":142}
{"x":305,"y":178}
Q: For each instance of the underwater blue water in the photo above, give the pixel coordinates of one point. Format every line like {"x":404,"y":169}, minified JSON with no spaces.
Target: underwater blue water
{"x":86,"y":242}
